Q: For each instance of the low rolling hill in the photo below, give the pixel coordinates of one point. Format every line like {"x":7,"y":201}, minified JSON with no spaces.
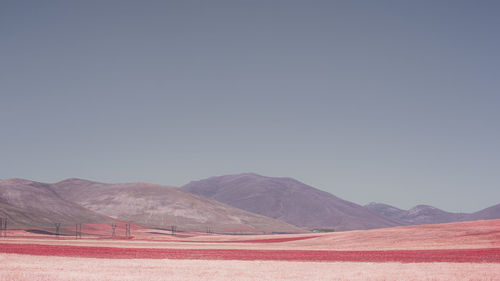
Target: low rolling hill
{"x":160,"y":206}
{"x":29,"y":204}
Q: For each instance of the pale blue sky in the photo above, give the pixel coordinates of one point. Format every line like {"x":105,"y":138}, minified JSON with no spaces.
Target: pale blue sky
{"x":387,"y":101}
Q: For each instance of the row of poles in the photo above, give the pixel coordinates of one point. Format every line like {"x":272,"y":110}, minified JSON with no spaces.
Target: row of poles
{"x":78,"y":229}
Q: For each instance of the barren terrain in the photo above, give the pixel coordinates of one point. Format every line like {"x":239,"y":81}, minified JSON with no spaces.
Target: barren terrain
{"x":26,"y":267}
{"x":453,"y":251}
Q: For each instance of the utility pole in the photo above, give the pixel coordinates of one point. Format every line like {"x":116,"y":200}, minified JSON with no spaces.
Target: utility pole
{"x":58,"y":225}
{"x":113,"y":227}
{"x":173,"y":229}
{"x":3,"y":227}
{"x":78,"y":232}
{"x":127,"y":230}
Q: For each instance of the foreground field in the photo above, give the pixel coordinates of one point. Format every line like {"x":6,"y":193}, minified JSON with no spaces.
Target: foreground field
{"x":25,"y":267}
{"x":456,"y":251}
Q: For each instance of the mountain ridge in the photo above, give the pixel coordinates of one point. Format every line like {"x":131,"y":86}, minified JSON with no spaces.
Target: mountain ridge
{"x":159,"y":206}
{"x":289,"y":200}
{"x":246,"y":202}
{"x":426,"y":214}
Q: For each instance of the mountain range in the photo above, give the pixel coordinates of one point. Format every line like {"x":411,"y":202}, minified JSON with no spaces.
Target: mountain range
{"x":288,"y":200}
{"x":158,"y":206}
{"x":291,"y":201}
{"x":244,"y":203}
{"x":28,"y":204}
{"x":425,"y":214}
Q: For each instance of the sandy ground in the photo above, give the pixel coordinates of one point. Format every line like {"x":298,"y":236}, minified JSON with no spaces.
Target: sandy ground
{"x":479,"y":234}
{"x":463,"y":235}
{"x":35,"y":268}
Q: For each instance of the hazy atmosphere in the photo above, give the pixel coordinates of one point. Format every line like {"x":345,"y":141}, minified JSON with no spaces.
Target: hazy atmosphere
{"x":387,"y":101}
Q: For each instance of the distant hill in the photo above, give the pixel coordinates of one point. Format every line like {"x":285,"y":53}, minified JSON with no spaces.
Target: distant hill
{"x":388,"y":211}
{"x":424,"y":214}
{"x":421,"y":214}
{"x":159,"y":206}
{"x":288,"y":200}
{"x":33,"y":204}
{"x":489,"y":213}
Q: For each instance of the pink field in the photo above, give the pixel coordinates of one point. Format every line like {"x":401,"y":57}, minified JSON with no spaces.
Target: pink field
{"x":265,"y":240}
{"x":455,"y":251}
{"x":40,"y":268}
{"x":407,"y":256}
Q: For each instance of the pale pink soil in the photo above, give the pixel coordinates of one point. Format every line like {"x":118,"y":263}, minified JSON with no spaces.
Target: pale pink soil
{"x":470,"y":235}
{"x":37,"y":268}
{"x":464,"y":235}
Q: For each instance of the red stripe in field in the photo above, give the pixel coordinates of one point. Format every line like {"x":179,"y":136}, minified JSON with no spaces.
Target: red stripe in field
{"x":491,"y":255}
{"x":269,"y":240}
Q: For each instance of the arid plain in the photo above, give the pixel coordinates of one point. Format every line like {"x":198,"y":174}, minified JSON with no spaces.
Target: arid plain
{"x":452,"y":251}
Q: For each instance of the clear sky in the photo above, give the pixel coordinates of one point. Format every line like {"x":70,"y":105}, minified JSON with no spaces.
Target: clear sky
{"x":387,"y":101}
